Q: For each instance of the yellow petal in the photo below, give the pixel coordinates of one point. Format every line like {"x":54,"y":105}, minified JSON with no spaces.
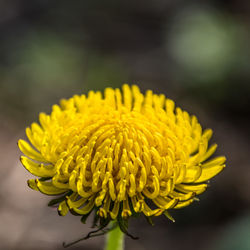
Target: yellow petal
{"x":209,"y":152}
{"x":181,"y":175}
{"x":75,"y":204}
{"x":209,"y":172}
{"x":38,"y":169}
{"x":165,"y":203}
{"x":137,"y":204}
{"x":81,"y":189}
{"x":198,"y":189}
{"x":35,"y":141}
{"x":192,"y":173}
{"x":63,"y":208}
{"x":72,"y":181}
{"x":87,"y":208}
{"x":57,"y":182}
{"x":182,"y":197}
{"x":207,"y":134}
{"x":48,"y":188}
{"x":151,"y":212}
{"x":115,"y":210}
{"x":216,"y":161}
{"x":183,"y":204}
{"x":126,"y":212}
{"x":156,"y":189}
{"x":32,"y":184}
{"x":29,"y":151}
{"x":166,"y":187}
{"x":99,"y":199}
{"x":127,"y":96}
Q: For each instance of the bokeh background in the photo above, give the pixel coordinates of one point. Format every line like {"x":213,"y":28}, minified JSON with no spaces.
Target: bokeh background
{"x":195,"y":52}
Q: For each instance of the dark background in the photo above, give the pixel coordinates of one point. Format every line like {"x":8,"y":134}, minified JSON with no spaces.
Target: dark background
{"x":195,"y":52}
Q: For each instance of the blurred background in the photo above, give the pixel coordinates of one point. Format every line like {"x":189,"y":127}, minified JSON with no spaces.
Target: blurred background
{"x":195,"y":52}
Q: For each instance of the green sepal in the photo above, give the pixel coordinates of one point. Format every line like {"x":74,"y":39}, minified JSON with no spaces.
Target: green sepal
{"x":104,"y":222}
{"x":96,"y":218}
{"x":169,"y":216}
{"x":59,"y":199}
{"x":73,"y":212}
{"x":134,"y":214}
{"x":149,"y":220}
{"x":45,"y":178}
{"x":123,"y":224}
{"x":85,"y":217}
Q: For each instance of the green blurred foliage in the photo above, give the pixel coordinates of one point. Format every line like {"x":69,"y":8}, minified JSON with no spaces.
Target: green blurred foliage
{"x":45,"y":68}
{"x":235,"y":236}
{"x":207,"y":44}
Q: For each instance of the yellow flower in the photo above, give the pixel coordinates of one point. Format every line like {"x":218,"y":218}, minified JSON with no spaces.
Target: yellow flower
{"x":119,"y":154}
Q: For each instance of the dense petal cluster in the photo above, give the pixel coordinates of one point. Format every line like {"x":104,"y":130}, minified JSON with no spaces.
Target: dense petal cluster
{"x":120,"y":154}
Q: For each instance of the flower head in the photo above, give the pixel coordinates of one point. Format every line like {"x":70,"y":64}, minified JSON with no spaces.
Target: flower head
{"x":119,"y":155}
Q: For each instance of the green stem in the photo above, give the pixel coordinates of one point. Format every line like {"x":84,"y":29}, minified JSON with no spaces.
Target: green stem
{"x":115,"y":239}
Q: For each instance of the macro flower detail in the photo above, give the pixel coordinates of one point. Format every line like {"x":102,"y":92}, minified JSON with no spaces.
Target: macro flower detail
{"x":119,"y":155}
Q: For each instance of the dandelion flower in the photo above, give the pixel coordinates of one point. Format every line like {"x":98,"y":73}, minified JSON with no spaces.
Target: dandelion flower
{"x":119,"y":155}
